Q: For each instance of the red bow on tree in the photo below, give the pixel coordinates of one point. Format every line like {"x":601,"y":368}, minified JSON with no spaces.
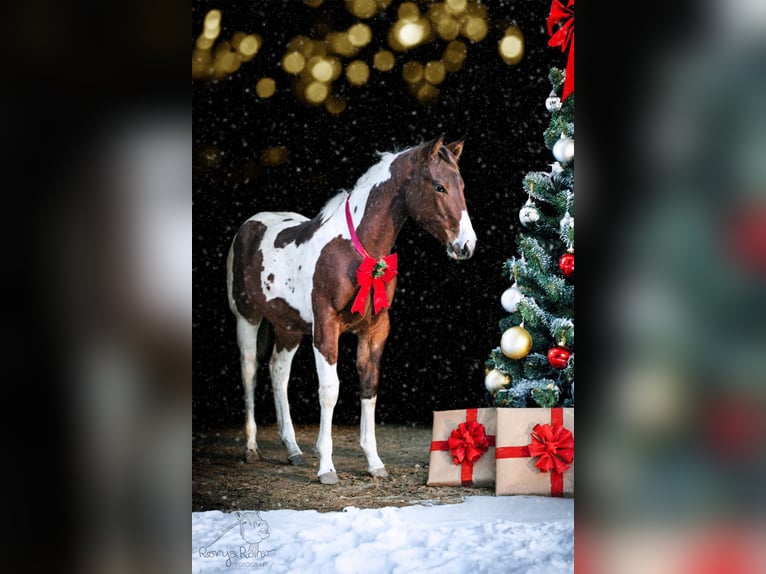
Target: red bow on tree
{"x":554,"y":445}
{"x":563,"y":17}
{"x":468,"y":442}
{"x":374,"y":275}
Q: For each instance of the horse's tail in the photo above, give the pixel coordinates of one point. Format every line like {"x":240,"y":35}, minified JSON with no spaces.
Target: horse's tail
{"x":265,"y":340}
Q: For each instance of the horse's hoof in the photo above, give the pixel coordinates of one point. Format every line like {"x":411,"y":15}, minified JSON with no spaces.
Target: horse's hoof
{"x":252,"y":456}
{"x":297,"y":460}
{"x":328,"y":478}
{"x":379,"y":473}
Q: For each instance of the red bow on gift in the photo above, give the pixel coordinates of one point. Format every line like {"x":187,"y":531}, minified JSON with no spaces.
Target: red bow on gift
{"x":374,"y":275}
{"x":554,"y":445}
{"x":468,"y":442}
{"x":563,"y":16}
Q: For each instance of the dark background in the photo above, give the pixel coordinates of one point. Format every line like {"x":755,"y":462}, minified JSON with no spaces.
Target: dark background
{"x":445,"y":316}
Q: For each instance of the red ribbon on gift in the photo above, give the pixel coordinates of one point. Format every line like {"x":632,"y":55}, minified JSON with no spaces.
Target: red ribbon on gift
{"x":466,"y":443}
{"x":372,"y":274}
{"x":553,"y":444}
{"x":563,"y":16}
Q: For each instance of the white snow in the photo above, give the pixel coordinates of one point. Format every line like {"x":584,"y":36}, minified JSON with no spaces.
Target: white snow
{"x":483,"y":534}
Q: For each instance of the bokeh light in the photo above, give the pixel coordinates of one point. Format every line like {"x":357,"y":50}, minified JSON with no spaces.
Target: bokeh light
{"x":332,"y":54}
{"x":212,"y":24}
{"x":412,"y":72}
{"x":359,"y":35}
{"x":384,"y":61}
{"x":249,"y":45}
{"x":316,"y":92}
{"x":228,"y":55}
{"x":474,"y":28}
{"x":341,"y":44}
{"x":335,"y":105}
{"x":435,"y":72}
{"x":511,"y":46}
{"x":408,"y":11}
{"x":426,"y":93}
{"x":362,"y":8}
{"x":293,"y":62}
{"x":274,"y":155}
{"x":454,"y":55}
{"x":357,"y":73}
{"x":448,"y":28}
{"x":321,"y":69}
{"x":265,"y":87}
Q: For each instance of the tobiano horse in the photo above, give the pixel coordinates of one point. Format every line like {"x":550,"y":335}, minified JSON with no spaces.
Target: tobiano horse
{"x":332,"y":274}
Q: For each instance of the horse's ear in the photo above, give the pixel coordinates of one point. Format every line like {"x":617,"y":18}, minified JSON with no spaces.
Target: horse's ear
{"x":456,"y":148}
{"x":432,"y":148}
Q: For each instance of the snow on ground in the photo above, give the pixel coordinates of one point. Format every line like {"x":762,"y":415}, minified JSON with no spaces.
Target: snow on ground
{"x":483,"y":534}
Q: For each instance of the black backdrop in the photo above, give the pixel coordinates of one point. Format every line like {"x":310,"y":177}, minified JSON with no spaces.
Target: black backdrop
{"x":445,"y":316}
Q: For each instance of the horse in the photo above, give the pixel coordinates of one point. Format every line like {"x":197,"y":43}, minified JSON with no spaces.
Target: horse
{"x":333,"y":273}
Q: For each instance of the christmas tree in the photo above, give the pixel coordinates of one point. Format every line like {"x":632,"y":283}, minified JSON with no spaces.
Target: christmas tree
{"x":534,"y":364}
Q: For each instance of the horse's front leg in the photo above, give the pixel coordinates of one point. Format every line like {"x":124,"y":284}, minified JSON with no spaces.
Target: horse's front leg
{"x":326,"y":333}
{"x":368,"y":353}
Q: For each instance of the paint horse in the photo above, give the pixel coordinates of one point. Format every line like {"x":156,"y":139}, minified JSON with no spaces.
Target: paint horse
{"x":333,"y":273}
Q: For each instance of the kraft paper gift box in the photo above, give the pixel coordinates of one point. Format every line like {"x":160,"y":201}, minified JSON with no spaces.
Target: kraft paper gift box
{"x":463,"y":448}
{"x":535,"y":452}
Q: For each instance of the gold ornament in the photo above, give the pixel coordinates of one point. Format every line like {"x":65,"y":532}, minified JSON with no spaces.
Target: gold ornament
{"x":496,"y":380}
{"x":516,"y":342}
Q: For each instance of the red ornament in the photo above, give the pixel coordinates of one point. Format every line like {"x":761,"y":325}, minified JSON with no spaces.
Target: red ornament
{"x":566,"y":264}
{"x":558,"y":357}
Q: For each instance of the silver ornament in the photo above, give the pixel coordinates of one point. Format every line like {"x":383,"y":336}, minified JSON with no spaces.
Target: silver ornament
{"x":553,"y":103}
{"x":528,"y":213}
{"x":566,"y":223}
{"x":510,"y":298}
{"x":563,"y":150}
{"x":556,"y":168}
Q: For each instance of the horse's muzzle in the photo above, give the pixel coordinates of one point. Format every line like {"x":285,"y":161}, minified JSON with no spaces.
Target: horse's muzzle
{"x":463,"y":246}
{"x":458,"y":251}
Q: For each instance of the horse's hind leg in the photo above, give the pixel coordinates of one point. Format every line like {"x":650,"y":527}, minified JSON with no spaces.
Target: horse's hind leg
{"x":247,"y":339}
{"x":285,"y":346}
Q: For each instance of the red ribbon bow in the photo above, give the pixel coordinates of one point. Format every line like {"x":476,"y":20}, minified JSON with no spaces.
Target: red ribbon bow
{"x":564,"y":17}
{"x":371,"y":274}
{"x":374,"y":275}
{"x":554,"y":445}
{"x":468,"y":442}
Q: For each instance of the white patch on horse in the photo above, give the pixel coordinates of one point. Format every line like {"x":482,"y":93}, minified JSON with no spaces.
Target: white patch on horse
{"x":284,"y":275}
{"x":329,"y":387}
{"x":367,"y":437}
{"x":230,"y":279}
{"x":466,"y":236}
{"x":377,"y":174}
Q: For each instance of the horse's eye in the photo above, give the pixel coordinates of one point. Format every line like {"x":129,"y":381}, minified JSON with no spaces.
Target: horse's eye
{"x":440,"y":188}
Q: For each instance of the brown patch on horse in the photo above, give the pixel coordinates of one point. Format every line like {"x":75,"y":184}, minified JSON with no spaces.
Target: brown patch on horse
{"x":336,"y":292}
{"x":247,"y":260}
{"x":298,"y":234}
{"x":385,"y":211}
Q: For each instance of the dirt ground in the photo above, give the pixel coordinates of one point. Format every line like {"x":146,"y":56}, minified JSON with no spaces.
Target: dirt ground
{"x":221,"y":480}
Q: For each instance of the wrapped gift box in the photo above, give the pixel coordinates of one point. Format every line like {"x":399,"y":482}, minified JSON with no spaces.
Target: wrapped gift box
{"x":535,"y":451}
{"x":463,"y":448}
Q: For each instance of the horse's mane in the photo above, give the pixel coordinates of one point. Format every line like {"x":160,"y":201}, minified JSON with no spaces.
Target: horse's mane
{"x":334,"y":203}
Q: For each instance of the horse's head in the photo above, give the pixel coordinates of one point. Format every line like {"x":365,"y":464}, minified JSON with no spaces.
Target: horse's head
{"x":435,"y":197}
